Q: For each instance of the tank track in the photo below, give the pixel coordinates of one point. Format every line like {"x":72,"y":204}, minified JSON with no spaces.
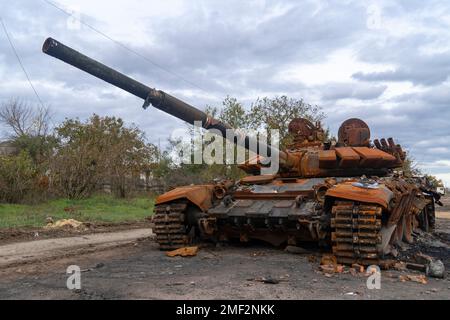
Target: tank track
{"x":170,"y":228}
{"x":356,"y":232}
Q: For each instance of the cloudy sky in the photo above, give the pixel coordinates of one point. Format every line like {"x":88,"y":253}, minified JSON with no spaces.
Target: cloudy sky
{"x":386,"y":62}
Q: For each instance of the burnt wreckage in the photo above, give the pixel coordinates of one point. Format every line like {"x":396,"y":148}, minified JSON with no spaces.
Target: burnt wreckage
{"x":345,"y":195}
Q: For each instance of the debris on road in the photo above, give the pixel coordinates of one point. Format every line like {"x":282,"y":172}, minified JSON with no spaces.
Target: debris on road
{"x":412,"y":277}
{"x":431,"y":267}
{"x":435,"y":269}
{"x":358,"y":267}
{"x":387,"y":264}
{"x":184,"y":252}
{"x":351,"y":293}
{"x":415,"y":266}
{"x":97,"y":266}
{"x":329,"y":265}
{"x":328,"y":259}
{"x":268,"y":280}
{"x":72,"y":223}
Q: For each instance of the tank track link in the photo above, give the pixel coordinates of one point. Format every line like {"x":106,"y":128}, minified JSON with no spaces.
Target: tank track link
{"x":356,"y":232}
{"x":170,"y":228}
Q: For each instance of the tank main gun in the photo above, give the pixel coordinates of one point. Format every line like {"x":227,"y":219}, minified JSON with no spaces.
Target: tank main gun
{"x":308,"y":156}
{"x":158,"y":99}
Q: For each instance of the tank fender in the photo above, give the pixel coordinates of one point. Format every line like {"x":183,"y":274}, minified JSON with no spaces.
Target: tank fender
{"x":380,"y":195}
{"x":200,"y":195}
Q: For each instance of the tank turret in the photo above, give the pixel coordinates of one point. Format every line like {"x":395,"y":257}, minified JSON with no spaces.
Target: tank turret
{"x":352,"y":155}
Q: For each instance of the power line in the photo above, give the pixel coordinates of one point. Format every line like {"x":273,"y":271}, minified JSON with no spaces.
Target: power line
{"x":122,"y":45}
{"x":20,"y":62}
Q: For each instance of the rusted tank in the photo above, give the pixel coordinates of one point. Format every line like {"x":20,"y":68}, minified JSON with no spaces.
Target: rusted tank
{"x":346,"y":195}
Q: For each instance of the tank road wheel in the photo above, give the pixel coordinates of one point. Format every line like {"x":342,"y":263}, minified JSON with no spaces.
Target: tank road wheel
{"x":170,"y":227}
{"x":356,"y":232}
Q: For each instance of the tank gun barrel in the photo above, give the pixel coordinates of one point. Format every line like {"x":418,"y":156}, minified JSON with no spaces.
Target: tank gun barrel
{"x":159,"y":99}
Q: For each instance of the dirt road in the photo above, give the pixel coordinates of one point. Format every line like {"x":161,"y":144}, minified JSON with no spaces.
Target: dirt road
{"x":140,"y":271}
{"x":40,"y":250}
{"x":122,"y":265}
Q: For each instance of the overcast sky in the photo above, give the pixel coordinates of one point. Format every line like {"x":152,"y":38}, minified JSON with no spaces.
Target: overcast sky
{"x":386,"y":62}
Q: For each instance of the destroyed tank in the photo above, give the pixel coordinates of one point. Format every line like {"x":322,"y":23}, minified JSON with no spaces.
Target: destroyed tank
{"x":346,"y":196}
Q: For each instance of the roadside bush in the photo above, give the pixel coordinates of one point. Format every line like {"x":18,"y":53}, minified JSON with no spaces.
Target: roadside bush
{"x":101,"y":151}
{"x":18,"y":177}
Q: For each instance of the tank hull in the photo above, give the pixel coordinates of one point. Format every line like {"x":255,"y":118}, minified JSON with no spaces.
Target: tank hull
{"x":358,"y":222}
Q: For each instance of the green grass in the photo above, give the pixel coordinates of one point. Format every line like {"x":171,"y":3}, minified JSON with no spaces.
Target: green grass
{"x":95,"y":209}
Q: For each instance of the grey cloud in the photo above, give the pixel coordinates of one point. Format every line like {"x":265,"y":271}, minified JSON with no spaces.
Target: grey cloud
{"x":211,"y":48}
{"x":338,"y":91}
{"x":407,"y":53}
{"x":428,"y":74}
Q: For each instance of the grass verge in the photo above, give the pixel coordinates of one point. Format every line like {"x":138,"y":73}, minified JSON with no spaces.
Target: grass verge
{"x":100,"y":208}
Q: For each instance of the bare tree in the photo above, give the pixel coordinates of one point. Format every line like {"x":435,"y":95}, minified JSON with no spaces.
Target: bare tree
{"x":41,"y":121}
{"x":24,"y":120}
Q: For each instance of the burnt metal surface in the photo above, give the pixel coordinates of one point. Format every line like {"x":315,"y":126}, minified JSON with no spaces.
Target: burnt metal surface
{"x":200,"y":195}
{"x":354,"y":132}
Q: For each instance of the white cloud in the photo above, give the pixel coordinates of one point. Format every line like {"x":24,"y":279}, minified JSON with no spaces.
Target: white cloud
{"x":338,"y":66}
